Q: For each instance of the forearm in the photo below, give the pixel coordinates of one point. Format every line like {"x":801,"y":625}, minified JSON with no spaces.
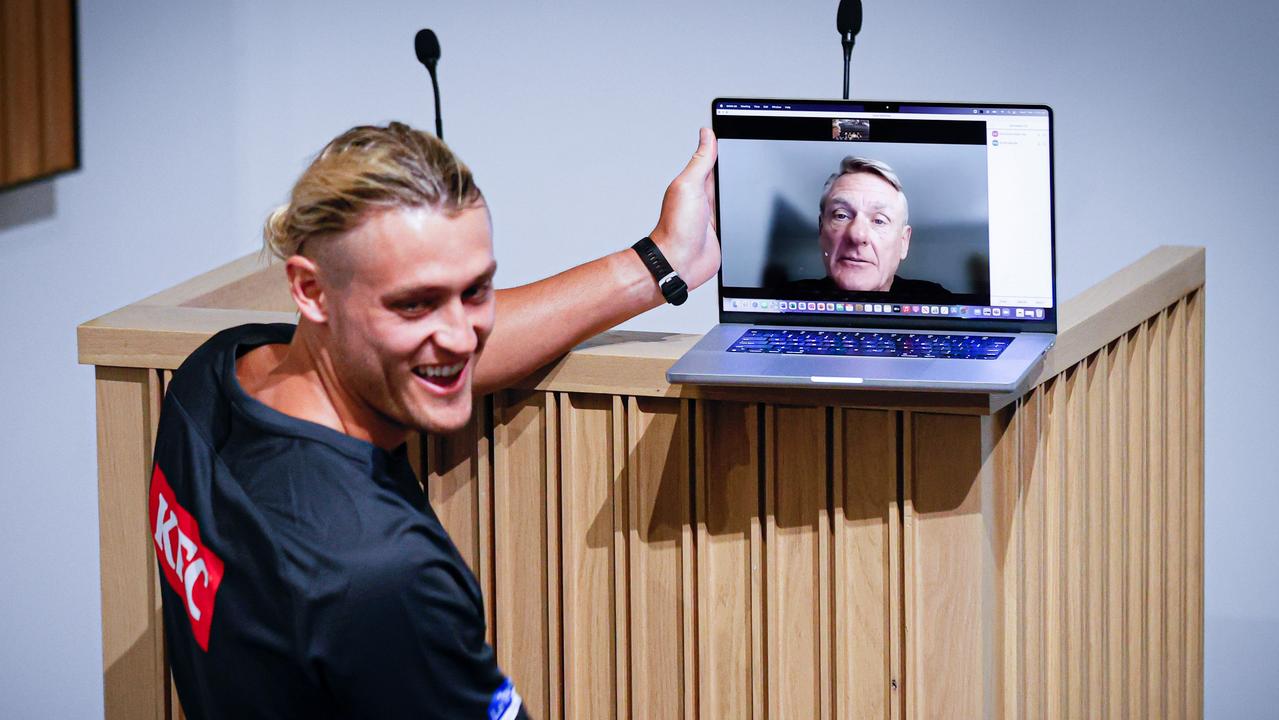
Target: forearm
{"x":538,"y":322}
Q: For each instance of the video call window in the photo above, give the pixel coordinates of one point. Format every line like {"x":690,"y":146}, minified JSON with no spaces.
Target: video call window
{"x":771,"y":207}
{"x":824,"y":205}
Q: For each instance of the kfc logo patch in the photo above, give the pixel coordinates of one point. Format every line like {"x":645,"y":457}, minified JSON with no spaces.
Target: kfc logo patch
{"x":193,"y":571}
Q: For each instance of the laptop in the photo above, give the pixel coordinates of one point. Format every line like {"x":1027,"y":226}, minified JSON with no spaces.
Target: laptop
{"x":869,"y":244}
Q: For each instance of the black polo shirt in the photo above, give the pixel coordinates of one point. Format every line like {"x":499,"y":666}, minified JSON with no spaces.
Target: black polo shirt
{"x":304,"y":572}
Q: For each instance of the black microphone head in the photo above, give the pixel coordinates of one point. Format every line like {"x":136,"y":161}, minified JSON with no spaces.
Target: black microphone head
{"x":849,"y":18}
{"x":427,"y":47}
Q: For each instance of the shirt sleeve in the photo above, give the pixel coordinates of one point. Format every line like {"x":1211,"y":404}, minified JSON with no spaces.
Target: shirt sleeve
{"x":409,"y":643}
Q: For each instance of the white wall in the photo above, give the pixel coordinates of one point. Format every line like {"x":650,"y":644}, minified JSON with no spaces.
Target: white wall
{"x":574,"y":115}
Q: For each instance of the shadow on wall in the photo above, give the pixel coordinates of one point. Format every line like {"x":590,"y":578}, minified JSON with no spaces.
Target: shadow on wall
{"x":26,"y":204}
{"x":793,"y":252}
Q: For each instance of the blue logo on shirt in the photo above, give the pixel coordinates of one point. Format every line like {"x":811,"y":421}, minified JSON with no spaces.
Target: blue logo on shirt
{"x":505,"y":703}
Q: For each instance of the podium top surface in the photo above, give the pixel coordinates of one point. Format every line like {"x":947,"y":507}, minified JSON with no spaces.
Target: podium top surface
{"x":160,"y":331}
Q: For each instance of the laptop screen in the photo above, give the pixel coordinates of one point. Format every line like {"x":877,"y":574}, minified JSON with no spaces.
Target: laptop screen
{"x":867,"y":213}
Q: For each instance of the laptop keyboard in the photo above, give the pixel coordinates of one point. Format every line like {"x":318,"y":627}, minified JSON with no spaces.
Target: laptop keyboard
{"x":870,"y":344}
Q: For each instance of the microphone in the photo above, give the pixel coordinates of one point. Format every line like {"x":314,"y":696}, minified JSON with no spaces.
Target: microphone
{"x":848,"y":20}
{"x":427,"y":47}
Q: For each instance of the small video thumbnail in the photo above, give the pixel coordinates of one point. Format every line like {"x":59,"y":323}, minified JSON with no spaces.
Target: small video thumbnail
{"x":850,"y":129}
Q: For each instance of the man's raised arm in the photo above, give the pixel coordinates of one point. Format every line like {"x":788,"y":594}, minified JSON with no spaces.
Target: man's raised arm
{"x":538,"y":322}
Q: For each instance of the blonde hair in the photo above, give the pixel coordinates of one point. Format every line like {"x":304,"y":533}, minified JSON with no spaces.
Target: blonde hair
{"x":365,"y":169}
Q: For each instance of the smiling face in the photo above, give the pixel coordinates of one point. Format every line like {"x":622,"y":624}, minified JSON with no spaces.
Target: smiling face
{"x":864,"y":235}
{"x":411,"y":313}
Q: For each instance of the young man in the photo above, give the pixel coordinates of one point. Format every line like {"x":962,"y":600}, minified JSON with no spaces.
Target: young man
{"x":307,"y":575}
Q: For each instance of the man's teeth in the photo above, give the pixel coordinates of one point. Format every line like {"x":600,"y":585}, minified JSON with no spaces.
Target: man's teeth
{"x":440,"y":370}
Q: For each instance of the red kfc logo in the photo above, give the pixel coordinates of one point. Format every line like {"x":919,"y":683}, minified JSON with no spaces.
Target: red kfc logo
{"x":193,"y":571}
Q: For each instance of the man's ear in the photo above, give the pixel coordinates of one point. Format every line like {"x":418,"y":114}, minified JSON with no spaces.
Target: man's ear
{"x":307,"y":289}
{"x":905,"y":241}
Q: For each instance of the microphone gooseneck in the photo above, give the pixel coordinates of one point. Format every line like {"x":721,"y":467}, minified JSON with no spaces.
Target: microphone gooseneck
{"x":427,"y":47}
{"x":848,"y":20}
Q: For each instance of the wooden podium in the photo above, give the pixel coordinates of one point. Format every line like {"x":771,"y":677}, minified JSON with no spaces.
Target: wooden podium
{"x":658,"y":551}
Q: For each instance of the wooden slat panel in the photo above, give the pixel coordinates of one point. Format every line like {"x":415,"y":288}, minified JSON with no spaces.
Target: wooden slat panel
{"x":554,"y":544}
{"x":949,"y":543}
{"x":688,"y":568}
{"x":657,"y":471}
{"x":1175,"y":521}
{"x":1033,"y":451}
{"x":1135,"y":480}
{"x":586,"y":531}
{"x":173,"y":703}
{"x":1156,"y":430}
{"x":453,"y":487}
{"x":134,"y":678}
{"x":865,"y":502}
{"x":21,"y":107}
{"x":824,"y":571}
{"x":57,"y":92}
{"x":1006,"y":524}
{"x":167,"y":702}
{"x":520,"y":539}
{"x":1054,"y":430}
{"x":1074,"y":569}
{"x":727,"y":506}
{"x":760,"y":570}
{"x":621,"y":569}
{"x":1094,"y":509}
{"x":908,"y":687}
{"x":795,"y":478}
{"x":1194,"y":610}
{"x":484,"y":510}
{"x":897,"y":582}
{"x":415,"y":447}
{"x":1117,"y":541}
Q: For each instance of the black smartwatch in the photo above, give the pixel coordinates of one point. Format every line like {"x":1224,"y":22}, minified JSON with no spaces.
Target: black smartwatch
{"x":673,"y":287}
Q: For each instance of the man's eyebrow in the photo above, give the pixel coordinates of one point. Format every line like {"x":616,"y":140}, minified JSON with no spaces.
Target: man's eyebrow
{"x":415,"y":291}
{"x":426,"y":289}
{"x":873,"y":205}
{"x":487,"y":275}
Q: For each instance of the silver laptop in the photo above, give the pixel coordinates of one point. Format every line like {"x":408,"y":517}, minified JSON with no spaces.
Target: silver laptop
{"x":881,"y":245}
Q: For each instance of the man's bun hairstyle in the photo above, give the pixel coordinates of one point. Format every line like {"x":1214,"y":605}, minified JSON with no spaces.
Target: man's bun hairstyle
{"x":364,"y":170}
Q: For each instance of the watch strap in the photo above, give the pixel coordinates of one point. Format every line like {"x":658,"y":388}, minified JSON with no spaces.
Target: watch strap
{"x":673,"y":287}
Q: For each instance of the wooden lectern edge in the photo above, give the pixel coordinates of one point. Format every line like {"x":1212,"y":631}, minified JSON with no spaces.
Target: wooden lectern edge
{"x":158,"y":336}
{"x":189,"y":291}
{"x":160,"y":331}
{"x":1104,"y":312}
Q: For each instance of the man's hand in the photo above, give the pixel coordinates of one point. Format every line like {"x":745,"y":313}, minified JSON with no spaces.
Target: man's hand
{"x":686,"y":232}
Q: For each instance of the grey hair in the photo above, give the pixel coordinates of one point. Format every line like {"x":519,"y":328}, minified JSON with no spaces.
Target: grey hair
{"x":853,"y":164}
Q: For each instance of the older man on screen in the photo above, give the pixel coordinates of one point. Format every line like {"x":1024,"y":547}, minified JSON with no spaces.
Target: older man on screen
{"x":865,"y":230}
